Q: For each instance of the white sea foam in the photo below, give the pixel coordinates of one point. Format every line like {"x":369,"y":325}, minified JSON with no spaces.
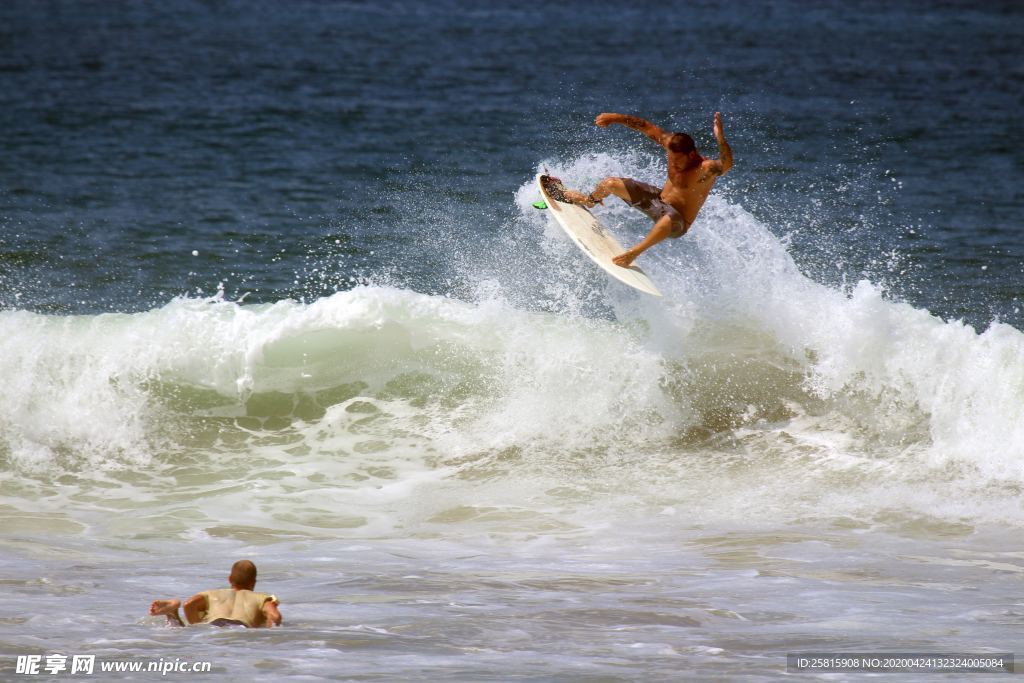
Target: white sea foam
{"x":748,"y":378}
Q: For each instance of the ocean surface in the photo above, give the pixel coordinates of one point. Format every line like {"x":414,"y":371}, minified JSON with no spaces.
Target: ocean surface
{"x":271,"y":287}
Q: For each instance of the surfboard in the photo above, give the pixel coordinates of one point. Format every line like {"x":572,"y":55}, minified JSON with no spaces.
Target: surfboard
{"x":590,"y":236}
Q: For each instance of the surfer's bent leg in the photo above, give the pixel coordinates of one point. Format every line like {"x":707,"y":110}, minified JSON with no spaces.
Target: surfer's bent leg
{"x":613,"y":186}
{"x":663,"y":228}
{"x":609,"y":186}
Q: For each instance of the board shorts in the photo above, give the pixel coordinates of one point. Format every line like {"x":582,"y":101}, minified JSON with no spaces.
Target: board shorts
{"x":647,"y":199}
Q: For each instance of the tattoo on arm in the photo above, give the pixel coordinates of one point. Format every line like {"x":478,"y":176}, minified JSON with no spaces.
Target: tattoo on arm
{"x":725,"y":155}
{"x":638,"y":124}
{"x":634,"y":122}
{"x":646,"y":127}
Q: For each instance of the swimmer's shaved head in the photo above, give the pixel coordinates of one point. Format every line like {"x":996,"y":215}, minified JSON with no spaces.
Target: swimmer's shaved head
{"x":243,"y":575}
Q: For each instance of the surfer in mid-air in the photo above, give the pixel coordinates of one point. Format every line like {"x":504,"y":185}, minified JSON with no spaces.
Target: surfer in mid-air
{"x":674,"y":207}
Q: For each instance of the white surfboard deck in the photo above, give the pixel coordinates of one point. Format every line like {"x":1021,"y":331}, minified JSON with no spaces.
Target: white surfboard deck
{"x":594,"y":239}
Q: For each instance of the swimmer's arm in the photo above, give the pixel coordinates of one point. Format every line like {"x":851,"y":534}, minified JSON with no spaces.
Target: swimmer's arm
{"x":636,"y":123}
{"x":194,"y":607}
{"x":724,"y":162}
{"x":271,"y":613}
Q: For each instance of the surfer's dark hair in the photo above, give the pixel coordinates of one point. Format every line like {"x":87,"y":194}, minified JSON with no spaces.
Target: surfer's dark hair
{"x":681,"y":143}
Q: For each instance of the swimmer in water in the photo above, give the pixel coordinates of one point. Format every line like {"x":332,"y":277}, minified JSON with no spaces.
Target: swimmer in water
{"x":235,"y":606}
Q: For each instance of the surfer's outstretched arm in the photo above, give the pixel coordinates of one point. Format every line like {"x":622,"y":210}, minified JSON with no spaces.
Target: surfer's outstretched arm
{"x":636,"y":123}
{"x":724,"y":162}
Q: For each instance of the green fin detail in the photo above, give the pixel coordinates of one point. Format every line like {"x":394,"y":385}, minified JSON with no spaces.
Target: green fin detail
{"x":540,"y":205}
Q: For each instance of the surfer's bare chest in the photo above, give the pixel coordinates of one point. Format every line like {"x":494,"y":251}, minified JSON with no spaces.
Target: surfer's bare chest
{"x":688,"y":187}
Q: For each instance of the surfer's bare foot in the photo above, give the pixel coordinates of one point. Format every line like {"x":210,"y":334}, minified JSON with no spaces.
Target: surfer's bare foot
{"x":167,"y":608}
{"x":625,"y":259}
{"x":580,"y":199}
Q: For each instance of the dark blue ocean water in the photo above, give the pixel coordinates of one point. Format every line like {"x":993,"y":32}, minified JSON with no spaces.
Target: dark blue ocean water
{"x":296,"y":146}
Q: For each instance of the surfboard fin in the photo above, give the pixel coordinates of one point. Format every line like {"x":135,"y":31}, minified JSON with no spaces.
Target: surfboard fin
{"x":540,"y":205}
